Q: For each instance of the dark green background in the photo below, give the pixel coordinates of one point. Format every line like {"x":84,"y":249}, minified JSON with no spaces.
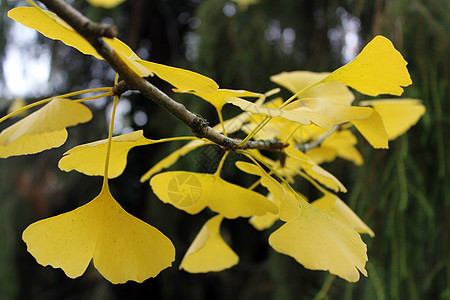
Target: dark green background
{"x":402,"y":193}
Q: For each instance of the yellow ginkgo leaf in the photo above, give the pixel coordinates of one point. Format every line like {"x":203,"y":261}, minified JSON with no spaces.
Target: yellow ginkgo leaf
{"x":319,"y":240}
{"x":122,"y":247}
{"x":172,"y":158}
{"x":398,"y":115}
{"x":373,"y":130}
{"x":331,"y":202}
{"x":89,"y":158}
{"x":340,"y":143}
{"x":297,"y":159}
{"x":231,"y":125}
{"x":265,"y":221}
{"x":55,"y":28}
{"x":277,"y":194}
{"x":322,"y":154}
{"x":268,"y":181}
{"x":209,"y":252}
{"x":43,"y":129}
{"x":184,"y":190}
{"x":133,"y":64}
{"x":180,"y":78}
{"x":338,"y":113}
{"x":192,"y":192}
{"x":106,"y":3}
{"x":303,"y":115}
{"x":291,"y":205}
{"x":378,"y":69}
{"x":344,"y":142}
{"x":323,"y":113}
{"x":52,"y":27}
{"x":279,"y":128}
{"x":234,"y":124}
{"x":295,"y":81}
{"x":306,"y":134}
{"x":217,"y":97}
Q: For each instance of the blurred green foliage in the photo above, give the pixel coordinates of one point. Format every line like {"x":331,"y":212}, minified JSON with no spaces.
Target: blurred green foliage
{"x":401,"y":192}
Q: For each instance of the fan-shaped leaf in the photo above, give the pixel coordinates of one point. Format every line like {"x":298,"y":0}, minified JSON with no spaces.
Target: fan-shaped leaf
{"x":295,"y":81}
{"x":123,"y":247}
{"x":43,"y":129}
{"x":319,"y":240}
{"x":378,"y":69}
{"x":89,"y":158}
{"x":192,"y":192}
{"x":209,"y":252}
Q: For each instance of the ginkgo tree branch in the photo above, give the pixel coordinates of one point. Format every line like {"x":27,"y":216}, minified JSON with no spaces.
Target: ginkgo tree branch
{"x":94,"y":34}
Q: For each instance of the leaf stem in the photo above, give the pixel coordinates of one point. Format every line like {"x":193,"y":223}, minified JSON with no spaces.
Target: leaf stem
{"x":110,"y":133}
{"x":222,"y":161}
{"x":292,"y":133}
{"x":32,"y":3}
{"x":254,"y":157}
{"x":108,"y":146}
{"x":219,"y":113}
{"x":314,"y":183}
{"x":110,"y":93}
{"x":255,"y":184}
{"x":178,"y":138}
{"x":255,"y":130}
{"x":299,"y":93}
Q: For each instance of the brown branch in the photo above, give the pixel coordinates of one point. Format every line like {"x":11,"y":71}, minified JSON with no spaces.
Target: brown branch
{"x":94,"y":32}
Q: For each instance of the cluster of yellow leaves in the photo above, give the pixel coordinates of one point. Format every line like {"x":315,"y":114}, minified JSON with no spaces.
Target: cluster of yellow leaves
{"x":321,"y":235}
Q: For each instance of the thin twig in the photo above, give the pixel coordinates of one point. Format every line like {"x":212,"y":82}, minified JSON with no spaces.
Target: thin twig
{"x":308,"y":146}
